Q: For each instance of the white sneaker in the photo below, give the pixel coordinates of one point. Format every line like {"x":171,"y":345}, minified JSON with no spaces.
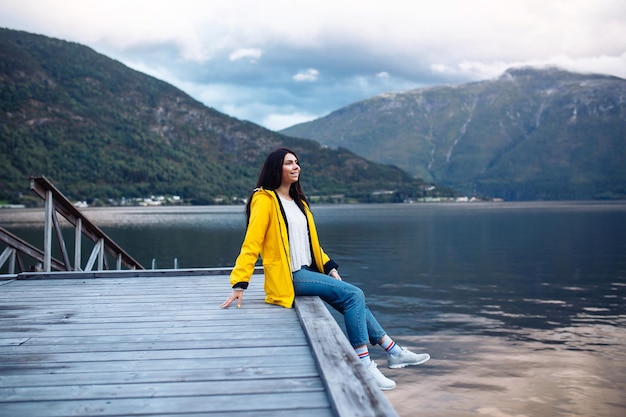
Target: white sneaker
{"x":406,"y":358}
{"x":381,"y":380}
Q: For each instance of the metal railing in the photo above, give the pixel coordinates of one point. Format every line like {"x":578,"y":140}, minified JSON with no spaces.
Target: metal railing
{"x":56,"y":202}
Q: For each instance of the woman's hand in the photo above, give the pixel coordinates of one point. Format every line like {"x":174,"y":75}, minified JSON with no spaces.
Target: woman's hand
{"x":235,"y":295}
{"x":333,"y":273}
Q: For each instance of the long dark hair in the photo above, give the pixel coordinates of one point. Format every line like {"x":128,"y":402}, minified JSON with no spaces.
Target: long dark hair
{"x":271,"y":176}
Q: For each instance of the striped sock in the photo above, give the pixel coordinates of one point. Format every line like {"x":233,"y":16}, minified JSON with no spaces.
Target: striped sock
{"x":363,"y":354}
{"x":390,"y":346}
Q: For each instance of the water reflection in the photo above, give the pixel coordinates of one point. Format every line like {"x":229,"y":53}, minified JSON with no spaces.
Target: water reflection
{"x":500,"y":377}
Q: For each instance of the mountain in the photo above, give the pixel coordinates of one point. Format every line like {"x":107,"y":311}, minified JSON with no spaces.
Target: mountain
{"x":98,"y":129}
{"x":529,"y":134}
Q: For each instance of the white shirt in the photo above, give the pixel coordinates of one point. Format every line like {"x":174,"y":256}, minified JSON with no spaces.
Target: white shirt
{"x":299,"y":245}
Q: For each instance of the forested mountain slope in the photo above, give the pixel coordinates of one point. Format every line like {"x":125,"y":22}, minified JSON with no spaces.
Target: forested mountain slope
{"x":98,"y":129}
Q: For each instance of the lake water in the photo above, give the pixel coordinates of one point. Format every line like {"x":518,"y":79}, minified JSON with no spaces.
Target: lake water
{"x":521,"y":305}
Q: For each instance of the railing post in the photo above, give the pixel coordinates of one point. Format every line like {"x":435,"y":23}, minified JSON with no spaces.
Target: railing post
{"x":94,"y":255}
{"x":60,"y":240}
{"x":47,"y":233}
{"x":12,"y":261}
{"x":101,"y":255}
{"x":78,"y":243}
{"x":9,"y":255}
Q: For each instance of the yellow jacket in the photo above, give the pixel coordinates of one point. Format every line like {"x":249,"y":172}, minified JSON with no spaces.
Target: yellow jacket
{"x":267,"y":236}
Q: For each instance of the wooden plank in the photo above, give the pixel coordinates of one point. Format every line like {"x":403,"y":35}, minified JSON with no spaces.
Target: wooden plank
{"x":224,"y":330}
{"x":351,"y":391}
{"x":146,"y":273}
{"x":105,"y":315}
{"x":259,"y":404}
{"x":156,"y":355}
{"x":90,"y":368}
{"x":73,"y":392}
{"x":73,"y":343}
{"x":124,"y":376}
{"x":77,"y":322}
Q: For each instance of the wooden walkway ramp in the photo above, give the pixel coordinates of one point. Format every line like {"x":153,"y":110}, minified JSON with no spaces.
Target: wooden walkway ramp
{"x":131,"y":343}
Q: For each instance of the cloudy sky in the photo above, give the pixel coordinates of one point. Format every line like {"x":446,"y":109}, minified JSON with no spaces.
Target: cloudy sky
{"x":282,"y":62}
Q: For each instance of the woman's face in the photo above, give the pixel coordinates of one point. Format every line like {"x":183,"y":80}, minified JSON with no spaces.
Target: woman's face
{"x":291,"y":169}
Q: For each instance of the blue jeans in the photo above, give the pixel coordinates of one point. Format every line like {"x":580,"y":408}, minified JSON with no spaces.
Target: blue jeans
{"x":347,"y":299}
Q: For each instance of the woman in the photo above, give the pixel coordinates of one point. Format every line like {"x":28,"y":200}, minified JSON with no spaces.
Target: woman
{"x":281,"y":229}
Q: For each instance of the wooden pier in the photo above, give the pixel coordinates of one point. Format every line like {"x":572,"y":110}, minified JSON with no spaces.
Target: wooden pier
{"x":155,"y":342}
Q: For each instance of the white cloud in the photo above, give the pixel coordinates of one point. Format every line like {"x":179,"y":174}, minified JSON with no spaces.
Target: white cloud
{"x":199,"y":46}
{"x":477,"y":70}
{"x":456,"y":29}
{"x":282,"y":121}
{"x":252,"y":53}
{"x":309,"y":75}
